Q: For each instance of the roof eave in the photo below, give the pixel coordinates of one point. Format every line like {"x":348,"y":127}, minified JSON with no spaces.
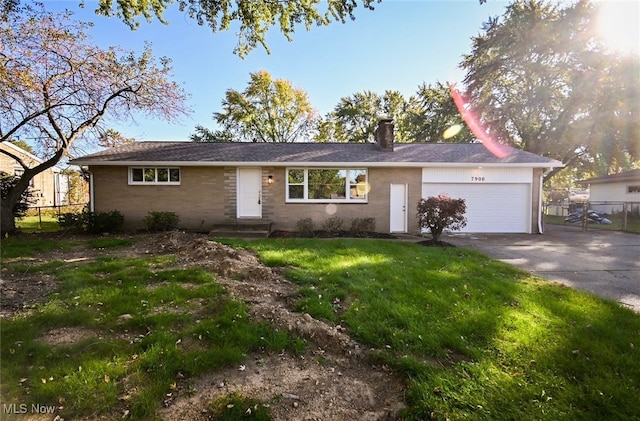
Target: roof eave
{"x":610,"y":180}
{"x":81,"y":162}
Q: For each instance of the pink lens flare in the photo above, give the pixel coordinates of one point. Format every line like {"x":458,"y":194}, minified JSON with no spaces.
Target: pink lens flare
{"x":497,"y":149}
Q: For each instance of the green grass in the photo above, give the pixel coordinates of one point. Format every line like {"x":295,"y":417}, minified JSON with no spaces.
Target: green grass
{"x":31,"y":224}
{"x":181,"y":324}
{"x":108,"y":242}
{"x":31,"y":245}
{"x":475,"y":338}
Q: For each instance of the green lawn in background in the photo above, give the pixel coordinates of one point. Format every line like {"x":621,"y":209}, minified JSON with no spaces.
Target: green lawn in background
{"x":633,"y":225}
{"x":31,"y":224}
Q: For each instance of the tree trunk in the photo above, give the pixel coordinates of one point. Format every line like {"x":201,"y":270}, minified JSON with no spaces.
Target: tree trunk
{"x":13,"y":197}
{"x":7,"y":220}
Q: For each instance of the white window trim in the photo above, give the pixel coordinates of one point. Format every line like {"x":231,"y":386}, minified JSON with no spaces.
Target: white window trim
{"x":153,"y":183}
{"x":305,"y":185}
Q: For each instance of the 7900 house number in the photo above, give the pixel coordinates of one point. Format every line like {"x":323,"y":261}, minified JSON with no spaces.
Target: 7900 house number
{"x":477,"y":178}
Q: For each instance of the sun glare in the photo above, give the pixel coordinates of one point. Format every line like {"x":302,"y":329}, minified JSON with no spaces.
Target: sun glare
{"x":619,"y":25}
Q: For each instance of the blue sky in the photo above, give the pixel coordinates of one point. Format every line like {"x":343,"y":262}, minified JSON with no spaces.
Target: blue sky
{"x":398,"y":46}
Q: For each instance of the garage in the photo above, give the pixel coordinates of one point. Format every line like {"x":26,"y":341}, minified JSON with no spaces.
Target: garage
{"x":498,"y":200}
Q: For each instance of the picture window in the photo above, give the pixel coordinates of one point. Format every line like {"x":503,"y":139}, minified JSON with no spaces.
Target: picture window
{"x":327,"y":185}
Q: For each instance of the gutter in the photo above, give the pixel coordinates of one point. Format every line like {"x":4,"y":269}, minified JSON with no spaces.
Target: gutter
{"x":309,"y":164}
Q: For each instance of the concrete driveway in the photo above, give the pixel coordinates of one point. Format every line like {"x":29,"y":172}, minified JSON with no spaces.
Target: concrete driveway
{"x":604,"y":262}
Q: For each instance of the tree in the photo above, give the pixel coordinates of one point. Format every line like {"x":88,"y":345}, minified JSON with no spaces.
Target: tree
{"x":61,"y":91}
{"x":202,"y":134}
{"x":253,"y":18}
{"x":434,"y":117}
{"x":26,"y":199}
{"x":24,"y":146}
{"x":267,"y":110}
{"x":539,"y":79}
{"x":437,"y":213}
{"x":430,"y":115}
{"x":355,"y":118}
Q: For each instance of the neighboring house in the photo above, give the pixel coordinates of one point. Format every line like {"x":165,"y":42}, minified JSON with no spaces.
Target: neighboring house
{"x":215,"y":183}
{"x":608,"y":193}
{"x":49,"y":188}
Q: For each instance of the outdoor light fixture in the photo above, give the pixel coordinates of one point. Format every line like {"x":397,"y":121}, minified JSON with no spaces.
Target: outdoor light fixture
{"x":270,"y":179}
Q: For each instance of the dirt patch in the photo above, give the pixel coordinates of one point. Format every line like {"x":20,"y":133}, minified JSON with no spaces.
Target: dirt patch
{"x":312,"y":387}
{"x":65,"y":336}
{"x":433,"y":243}
{"x":333,"y":380}
{"x":19,"y":292}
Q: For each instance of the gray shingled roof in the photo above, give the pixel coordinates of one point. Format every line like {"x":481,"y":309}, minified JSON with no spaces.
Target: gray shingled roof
{"x":633,"y":175}
{"x":211,"y":154}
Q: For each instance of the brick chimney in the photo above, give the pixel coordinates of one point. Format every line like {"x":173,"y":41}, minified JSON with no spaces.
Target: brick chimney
{"x":384,"y":135}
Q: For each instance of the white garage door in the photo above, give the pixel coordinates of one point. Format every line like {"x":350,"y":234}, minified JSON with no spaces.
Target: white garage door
{"x":490,"y":207}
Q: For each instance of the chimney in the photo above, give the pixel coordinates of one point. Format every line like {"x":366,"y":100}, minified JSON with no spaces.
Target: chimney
{"x":384,"y":135}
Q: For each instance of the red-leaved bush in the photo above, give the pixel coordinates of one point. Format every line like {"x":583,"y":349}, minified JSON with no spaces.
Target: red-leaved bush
{"x":437,"y":213}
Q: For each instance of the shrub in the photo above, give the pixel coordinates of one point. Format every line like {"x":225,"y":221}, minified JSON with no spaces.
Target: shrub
{"x":71,"y":221}
{"x":161,"y":221}
{"x":362,"y":226}
{"x":305,"y":227}
{"x":92,"y":222}
{"x":437,"y":213}
{"x":99,"y":222}
{"x":333,"y":225}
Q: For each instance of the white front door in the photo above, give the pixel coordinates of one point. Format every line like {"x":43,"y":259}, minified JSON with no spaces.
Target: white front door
{"x":398,"y":208}
{"x":249,"y":193}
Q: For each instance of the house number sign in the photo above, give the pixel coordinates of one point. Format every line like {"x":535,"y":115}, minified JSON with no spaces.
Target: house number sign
{"x":477,"y":179}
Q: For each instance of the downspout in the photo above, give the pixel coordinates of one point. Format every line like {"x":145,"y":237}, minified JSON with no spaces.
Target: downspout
{"x":540,"y":208}
{"x":91,"y":198}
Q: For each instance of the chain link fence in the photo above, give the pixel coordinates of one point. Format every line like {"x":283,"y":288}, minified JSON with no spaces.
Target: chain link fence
{"x":623,"y":216}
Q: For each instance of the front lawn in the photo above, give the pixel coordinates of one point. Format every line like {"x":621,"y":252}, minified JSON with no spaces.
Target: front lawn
{"x":122,"y":334}
{"x":475,"y":338}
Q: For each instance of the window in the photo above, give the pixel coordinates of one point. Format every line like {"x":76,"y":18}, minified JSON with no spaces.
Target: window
{"x":633,"y":189}
{"x":326,"y":185}
{"x":152,"y":175}
{"x":296,"y":184}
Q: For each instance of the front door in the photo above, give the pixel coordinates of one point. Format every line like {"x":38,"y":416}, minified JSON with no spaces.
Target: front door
{"x":398,"y":208}
{"x":249,"y":193}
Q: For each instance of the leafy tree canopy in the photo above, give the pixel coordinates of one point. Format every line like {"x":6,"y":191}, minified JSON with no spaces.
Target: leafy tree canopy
{"x":434,"y":117}
{"x":430,"y":115}
{"x":268,"y":110}
{"x":63,"y":92}
{"x":203,"y":134}
{"x":253,"y":18}
{"x":355,"y":118}
{"x":539,"y":78}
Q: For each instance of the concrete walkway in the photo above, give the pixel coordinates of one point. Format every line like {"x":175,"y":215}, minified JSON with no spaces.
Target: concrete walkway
{"x":604,"y":262}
